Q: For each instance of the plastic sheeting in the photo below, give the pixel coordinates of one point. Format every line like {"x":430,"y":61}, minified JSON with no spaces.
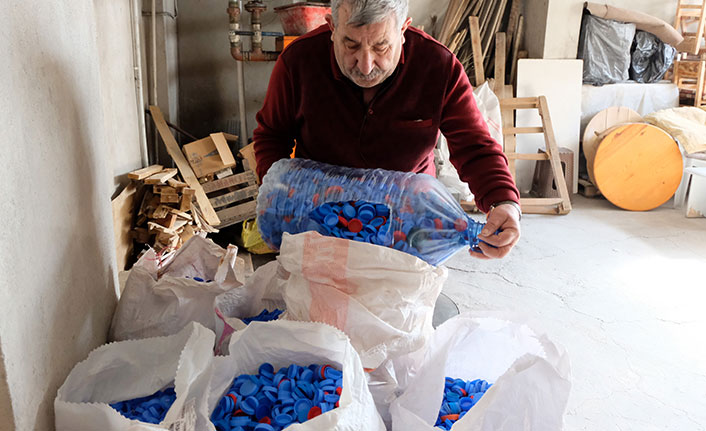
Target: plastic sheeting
{"x":604,"y":47}
{"x":650,"y":58}
{"x":642,"y":98}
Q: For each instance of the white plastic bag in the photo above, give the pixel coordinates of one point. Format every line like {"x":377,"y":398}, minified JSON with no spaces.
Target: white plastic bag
{"x":383,"y":299}
{"x":282,"y":343}
{"x":263,"y":290}
{"x":530,"y":377}
{"x":489,"y":107}
{"x":162,"y":299}
{"x":136,"y":368}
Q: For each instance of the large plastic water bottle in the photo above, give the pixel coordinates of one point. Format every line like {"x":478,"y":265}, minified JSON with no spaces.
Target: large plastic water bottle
{"x":410,"y":212}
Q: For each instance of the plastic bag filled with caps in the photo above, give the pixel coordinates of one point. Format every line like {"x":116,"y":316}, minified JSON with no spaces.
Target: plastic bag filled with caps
{"x":150,"y":384}
{"x":510,"y":377}
{"x":263,"y":349}
{"x":413,"y":213}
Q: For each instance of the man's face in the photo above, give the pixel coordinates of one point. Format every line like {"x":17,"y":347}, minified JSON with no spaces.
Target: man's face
{"x":367,"y":55}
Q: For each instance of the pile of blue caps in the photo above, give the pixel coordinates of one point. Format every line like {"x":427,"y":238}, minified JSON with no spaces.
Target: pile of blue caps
{"x":420,"y":216}
{"x":459,"y":397}
{"x":264,"y":316}
{"x":272,"y":401}
{"x":356,"y":220}
{"x":150,"y":409}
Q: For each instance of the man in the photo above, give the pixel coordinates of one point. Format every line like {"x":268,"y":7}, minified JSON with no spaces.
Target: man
{"x":369,"y":91}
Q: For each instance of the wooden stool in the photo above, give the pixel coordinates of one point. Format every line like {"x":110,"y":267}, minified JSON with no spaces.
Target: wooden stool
{"x":638,"y":167}
{"x":543,"y":184}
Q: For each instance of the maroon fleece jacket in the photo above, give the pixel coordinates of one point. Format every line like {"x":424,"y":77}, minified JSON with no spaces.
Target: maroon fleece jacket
{"x":309,"y":100}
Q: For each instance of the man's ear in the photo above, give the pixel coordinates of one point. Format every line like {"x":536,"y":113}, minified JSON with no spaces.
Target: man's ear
{"x":329,"y":21}
{"x":406,"y":24}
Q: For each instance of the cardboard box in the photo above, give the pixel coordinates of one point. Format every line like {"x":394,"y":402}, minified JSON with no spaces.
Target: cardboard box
{"x":209,"y":155}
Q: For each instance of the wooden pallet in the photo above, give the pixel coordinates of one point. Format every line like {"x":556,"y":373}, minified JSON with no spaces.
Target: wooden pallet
{"x":234,"y":198}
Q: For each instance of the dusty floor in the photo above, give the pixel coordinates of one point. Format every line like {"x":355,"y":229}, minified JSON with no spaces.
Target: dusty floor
{"x":624,"y":293}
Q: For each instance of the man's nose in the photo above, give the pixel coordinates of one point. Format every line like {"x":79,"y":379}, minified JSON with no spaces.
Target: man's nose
{"x":366,"y":62}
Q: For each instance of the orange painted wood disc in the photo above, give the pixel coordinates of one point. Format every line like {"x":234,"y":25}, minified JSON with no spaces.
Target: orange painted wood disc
{"x":638,"y":167}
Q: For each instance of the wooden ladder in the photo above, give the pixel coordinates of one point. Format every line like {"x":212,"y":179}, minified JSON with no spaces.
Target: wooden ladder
{"x":688,"y":14}
{"x":508,"y":106}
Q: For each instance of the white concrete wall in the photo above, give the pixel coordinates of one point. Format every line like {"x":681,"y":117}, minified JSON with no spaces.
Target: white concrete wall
{"x":208,"y":92}
{"x":563,"y":22}
{"x":68,"y":112}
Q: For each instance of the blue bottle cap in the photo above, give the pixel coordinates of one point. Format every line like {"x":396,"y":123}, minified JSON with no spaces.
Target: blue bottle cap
{"x":348,"y":211}
{"x":285,"y":385}
{"x":302,"y":407}
{"x":465,"y":403}
{"x":266,"y":369}
{"x":331,"y":398}
{"x":235,"y":421}
{"x":306,"y":375}
{"x":263,"y":427}
{"x":283,"y":419}
{"x":331,"y":220}
{"x":249,"y":405}
{"x":248,"y":388}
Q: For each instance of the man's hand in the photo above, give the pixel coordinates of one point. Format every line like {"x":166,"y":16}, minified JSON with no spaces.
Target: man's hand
{"x":505,"y":217}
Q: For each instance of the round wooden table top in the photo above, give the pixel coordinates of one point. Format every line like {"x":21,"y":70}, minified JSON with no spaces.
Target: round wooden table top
{"x":638,"y":167}
{"x":604,"y":120}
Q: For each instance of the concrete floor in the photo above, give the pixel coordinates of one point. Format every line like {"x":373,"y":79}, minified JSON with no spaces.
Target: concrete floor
{"x":624,"y":293}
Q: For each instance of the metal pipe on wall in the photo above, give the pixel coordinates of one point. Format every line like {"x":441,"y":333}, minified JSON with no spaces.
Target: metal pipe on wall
{"x":135,"y":21}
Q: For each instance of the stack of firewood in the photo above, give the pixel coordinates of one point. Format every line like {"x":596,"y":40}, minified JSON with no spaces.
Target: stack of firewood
{"x":165,"y":217}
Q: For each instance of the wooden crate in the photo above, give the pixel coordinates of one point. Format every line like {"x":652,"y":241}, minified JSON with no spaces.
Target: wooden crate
{"x":234,"y":198}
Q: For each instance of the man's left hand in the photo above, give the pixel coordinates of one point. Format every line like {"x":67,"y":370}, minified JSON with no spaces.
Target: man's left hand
{"x":505,"y":217}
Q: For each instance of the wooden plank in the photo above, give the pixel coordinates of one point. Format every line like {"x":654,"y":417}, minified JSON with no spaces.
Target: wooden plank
{"x":248,"y":153}
{"x":500,"y":61}
{"x":169,"y":198}
{"x":528,"y":156}
{"x":186,"y":172}
{"x":236,"y":214}
{"x":516,"y":42}
{"x":519,"y":103}
{"x":539,"y":202}
{"x":553,"y":151}
{"x":477,"y":50}
{"x":159,"y":189}
{"x":161,"y":177}
{"x":512,"y":24}
{"x":176,"y":184}
{"x":161,"y":211}
{"x":186,"y":197}
{"x":233,"y":197}
{"x":521,"y":130}
{"x":234,"y":180}
{"x":223,"y":149}
{"x":143,"y":173}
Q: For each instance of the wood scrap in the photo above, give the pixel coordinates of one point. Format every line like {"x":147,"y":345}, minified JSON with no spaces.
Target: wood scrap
{"x":164,"y":211}
{"x":143,"y":173}
{"x":161,"y":177}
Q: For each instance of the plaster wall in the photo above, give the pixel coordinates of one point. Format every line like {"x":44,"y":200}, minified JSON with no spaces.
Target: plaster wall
{"x":69,"y":128}
{"x":208,"y":98}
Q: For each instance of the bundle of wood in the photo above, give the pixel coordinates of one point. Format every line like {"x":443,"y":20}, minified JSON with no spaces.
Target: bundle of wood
{"x":469,"y":29}
{"x":165,"y":217}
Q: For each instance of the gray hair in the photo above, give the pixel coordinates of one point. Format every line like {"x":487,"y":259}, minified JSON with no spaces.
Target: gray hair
{"x":364,"y":12}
